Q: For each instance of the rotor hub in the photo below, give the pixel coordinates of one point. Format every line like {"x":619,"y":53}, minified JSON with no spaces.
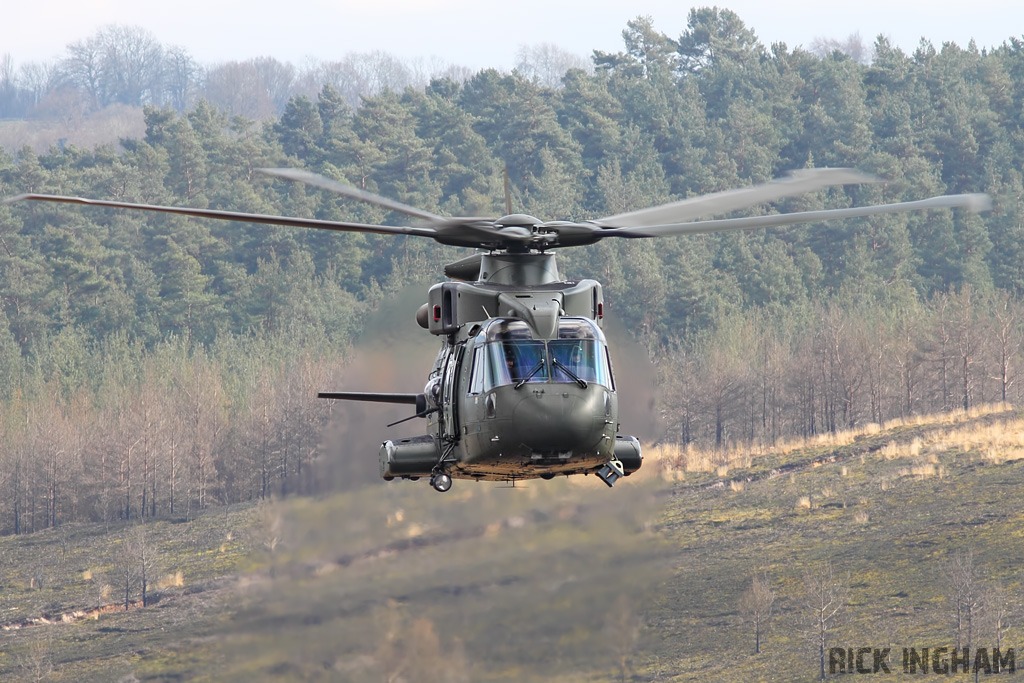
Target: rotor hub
{"x":517,"y":220}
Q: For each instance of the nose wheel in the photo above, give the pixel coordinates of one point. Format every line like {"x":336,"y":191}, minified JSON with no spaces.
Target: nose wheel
{"x":441,"y":482}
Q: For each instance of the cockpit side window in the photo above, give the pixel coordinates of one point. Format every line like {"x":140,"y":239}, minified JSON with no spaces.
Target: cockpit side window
{"x":611,"y":373}
{"x":476,"y":381}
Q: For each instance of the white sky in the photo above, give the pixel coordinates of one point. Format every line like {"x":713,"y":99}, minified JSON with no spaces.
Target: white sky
{"x":477,"y":33}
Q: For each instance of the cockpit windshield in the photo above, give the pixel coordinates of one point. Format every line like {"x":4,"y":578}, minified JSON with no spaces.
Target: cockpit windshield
{"x":507,"y":353}
{"x":573,"y":361}
{"x":515,"y":361}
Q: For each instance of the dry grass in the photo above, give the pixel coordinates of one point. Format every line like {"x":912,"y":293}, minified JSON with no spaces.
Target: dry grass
{"x":691,"y":458}
{"x":952,"y":417}
{"x":997,"y":442}
{"x":920,"y":471}
{"x":173,"y":579}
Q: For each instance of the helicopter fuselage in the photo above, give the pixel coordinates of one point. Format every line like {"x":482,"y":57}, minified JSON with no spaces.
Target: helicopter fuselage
{"x":522,"y":386}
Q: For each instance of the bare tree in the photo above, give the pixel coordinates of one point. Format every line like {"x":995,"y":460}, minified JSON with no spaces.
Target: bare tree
{"x":772,"y":361}
{"x":181,"y":77}
{"x":116,"y":64}
{"x":260,"y":443}
{"x":907,"y":355}
{"x":995,"y":611}
{"x":135,"y":564}
{"x":823,"y":601}
{"x":145,"y":559}
{"x":963,"y":579}
{"x":8,"y":85}
{"x":678,"y":378}
{"x":723,"y":373}
{"x":150,"y":422}
{"x":852,"y":46}
{"x":756,"y":605}
{"x":37,"y":663}
{"x":124,"y":574}
{"x":357,"y":75}
{"x":83,"y":68}
{"x":841,"y":364}
{"x":128,"y":440}
{"x":423,"y":71}
{"x":942,"y":342}
{"x":278,"y":79}
{"x":132,"y":65}
{"x":238,"y":88}
{"x":546,"y":63}
{"x":36,"y":80}
{"x":202,"y":407}
{"x":968,"y":340}
{"x":1008,"y":337}
{"x":99,"y":589}
{"x":381,"y":71}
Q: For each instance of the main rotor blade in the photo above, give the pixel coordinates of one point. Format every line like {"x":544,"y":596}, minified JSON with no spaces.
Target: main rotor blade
{"x":234,"y":216}
{"x":316,"y":180}
{"x":972,"y":202}
{"x":794,"y":183}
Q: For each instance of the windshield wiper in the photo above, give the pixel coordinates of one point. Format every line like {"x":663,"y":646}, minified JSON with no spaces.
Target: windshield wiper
{"x":536,"y":369}
{"x":572,"y":375}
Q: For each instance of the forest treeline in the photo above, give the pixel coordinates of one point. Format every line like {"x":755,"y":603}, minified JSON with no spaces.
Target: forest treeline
{"x":127,"y":65}
{"x":150,"y":361}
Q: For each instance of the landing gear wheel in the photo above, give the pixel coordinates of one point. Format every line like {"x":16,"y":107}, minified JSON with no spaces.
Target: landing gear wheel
{"x":441,"y":482}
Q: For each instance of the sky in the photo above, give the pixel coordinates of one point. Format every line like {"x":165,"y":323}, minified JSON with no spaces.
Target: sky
{"x":477,"y":33}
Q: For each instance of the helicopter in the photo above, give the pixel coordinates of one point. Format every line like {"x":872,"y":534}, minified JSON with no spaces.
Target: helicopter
{"x":523,"y":386}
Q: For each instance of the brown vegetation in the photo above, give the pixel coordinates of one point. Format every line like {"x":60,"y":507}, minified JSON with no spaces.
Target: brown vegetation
{"x":752,"y":382}
{"x":169,"y":442}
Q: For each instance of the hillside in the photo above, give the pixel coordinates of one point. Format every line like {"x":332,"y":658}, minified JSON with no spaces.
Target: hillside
{"x":210,"y":338}
{"x":555,"y":581}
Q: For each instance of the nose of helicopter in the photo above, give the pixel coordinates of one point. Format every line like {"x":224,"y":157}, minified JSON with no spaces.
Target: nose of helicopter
{"x":561,"y":417}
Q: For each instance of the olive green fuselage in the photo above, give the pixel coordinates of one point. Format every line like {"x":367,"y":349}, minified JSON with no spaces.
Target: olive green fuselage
{"x":522,"y":386}
{"x":539,"y":428}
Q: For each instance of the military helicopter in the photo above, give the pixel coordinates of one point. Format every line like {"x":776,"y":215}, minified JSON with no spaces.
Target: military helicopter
{"x":522,"y":386}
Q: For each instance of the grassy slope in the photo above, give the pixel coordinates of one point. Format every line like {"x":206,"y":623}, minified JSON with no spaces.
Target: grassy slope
{"x":560,"y":581}
{"x":884,"y":514}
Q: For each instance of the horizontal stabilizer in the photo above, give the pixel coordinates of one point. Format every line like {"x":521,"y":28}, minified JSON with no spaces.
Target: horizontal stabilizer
{"x":411,"y":399}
